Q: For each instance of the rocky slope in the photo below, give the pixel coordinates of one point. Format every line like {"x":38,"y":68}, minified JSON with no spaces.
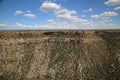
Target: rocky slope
{"x":60,"y":55}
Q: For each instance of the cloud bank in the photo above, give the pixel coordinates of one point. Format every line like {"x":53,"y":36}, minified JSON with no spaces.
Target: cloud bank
{"x":112,"y":2}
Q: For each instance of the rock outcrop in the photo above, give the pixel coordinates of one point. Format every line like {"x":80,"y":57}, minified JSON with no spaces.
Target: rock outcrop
{"x":60,"y":55}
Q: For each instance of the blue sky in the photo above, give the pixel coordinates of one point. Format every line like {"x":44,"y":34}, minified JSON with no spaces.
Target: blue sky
{"x":59,"y":14}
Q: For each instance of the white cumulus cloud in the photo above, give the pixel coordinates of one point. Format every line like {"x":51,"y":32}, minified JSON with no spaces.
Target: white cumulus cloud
{"x":109,"y":14}
{"x":49,"y":6}
{"x":4,"y":25}
{"x":18,"y":12}
{"x":95,"y":16}
{"x":65,"y":11}
{"x":112,"y":2}
{"x":63,"y":14}
{"x":105,"y":15}
{"x":50,"y":21}
{"x":69,"y":15}
{"x":117,"y":8}
{"x":30,"y":15}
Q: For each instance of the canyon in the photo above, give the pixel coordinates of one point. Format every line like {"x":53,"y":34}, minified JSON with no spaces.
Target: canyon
{"x":60,"y":55}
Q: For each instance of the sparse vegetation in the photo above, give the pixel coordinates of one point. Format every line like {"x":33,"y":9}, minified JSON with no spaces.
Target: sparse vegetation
{"x":60,"y":55}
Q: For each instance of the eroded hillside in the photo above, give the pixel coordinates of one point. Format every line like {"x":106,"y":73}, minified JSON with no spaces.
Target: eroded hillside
{"x":60,"y":55}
